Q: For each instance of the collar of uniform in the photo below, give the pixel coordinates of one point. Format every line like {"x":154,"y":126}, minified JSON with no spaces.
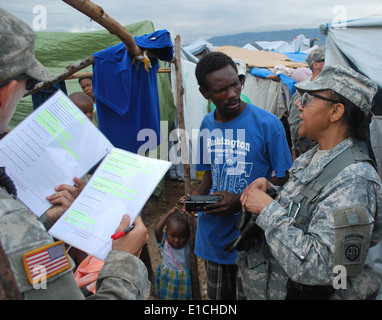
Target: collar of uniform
{"x":305,"y":171}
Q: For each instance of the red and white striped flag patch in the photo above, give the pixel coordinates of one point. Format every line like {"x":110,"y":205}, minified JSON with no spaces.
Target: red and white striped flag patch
{"x":46,"y":262}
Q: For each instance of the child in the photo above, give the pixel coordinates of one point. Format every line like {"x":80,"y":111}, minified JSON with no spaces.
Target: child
{"x":173,"y":280}
{"x":84,"y":103}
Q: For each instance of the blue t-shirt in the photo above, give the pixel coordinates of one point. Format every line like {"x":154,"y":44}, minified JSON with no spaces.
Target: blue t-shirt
{"x":127,"y":95}
{"x":237,"y":152}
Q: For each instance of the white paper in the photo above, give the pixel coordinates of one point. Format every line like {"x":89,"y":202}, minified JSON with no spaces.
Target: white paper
{"x":121,"y":185}
{"x":54,"y":144}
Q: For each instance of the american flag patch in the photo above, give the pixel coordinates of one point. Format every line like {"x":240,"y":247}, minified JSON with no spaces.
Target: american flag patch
{"x":46,"y":262}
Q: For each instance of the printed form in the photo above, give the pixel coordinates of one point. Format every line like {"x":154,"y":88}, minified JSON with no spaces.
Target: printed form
{"x":122,"y":184}
{"x":54,"y":144}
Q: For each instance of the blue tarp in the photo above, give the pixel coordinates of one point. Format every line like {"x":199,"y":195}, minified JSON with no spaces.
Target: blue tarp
{"x":296,"y":56}
{"x":264,"y":72}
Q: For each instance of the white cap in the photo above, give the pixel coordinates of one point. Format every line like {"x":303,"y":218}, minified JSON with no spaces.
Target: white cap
{"x":241,"y":67}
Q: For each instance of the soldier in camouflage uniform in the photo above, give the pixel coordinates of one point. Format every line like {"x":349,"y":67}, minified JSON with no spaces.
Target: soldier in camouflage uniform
{"x":316,"y":61}
{"x":123,"y":275}
{"x":300,"y":246}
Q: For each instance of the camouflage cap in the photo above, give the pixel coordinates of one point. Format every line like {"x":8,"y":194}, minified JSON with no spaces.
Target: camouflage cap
{"x":345,"y":81}
{"x":17,"y":44}
{"x":317,"y":55}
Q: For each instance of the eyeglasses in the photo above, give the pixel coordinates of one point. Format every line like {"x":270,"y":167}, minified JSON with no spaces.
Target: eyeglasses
{"x":307,"y":98}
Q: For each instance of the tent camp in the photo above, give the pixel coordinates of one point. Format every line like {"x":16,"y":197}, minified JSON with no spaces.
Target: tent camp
{"x":57,"y":50}
{"x":265,"y":89}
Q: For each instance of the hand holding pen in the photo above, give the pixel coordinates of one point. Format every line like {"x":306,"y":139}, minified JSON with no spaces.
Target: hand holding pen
{"x":130,"y":239}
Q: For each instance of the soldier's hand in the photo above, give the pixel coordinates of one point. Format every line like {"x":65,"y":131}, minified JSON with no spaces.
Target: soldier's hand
{"x":256,"y":201}
{"x":133,"y":241}
{"x":260,"y":183}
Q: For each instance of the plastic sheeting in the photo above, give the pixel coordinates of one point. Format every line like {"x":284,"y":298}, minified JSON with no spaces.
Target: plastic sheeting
{"x":356,"y":44}
{"x":299,"y":43}
{"x":267,"y":94}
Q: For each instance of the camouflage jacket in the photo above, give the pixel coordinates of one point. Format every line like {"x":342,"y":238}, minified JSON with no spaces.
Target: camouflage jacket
{"x":123,"y":275}
{"x":309,"y":258}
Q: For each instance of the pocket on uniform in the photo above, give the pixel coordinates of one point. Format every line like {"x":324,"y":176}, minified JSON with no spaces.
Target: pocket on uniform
{"x":253,"y":269}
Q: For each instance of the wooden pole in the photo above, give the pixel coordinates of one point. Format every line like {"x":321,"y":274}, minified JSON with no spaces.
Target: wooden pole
{"x":69,"y":70}
{"x":70,"y":73}
{"x":186,"y":168}
{"x":97,"y":14}
{"x":180,"y":115}
{"x":90,"y":73}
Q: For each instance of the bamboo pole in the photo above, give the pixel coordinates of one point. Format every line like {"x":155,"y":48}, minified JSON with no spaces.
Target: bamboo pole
{"x":186,"y":168}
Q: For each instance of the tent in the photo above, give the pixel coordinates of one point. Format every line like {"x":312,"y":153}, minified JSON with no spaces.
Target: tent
{"x":356,"y":44}
{"x":299,"y":43}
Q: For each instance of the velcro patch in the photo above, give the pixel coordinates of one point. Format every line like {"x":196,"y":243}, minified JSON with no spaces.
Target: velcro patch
{"x":46,"y":262}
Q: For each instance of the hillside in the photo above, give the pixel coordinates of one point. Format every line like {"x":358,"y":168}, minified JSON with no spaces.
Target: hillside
{"x":242,"y":39}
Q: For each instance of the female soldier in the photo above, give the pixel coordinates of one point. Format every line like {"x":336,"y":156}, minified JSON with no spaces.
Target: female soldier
{"x":317,"y":231}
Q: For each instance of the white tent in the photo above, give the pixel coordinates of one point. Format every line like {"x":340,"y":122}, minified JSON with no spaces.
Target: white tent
{"x":356,"y":44}
{"x":199,"y":46}
{"x":299,"y":43}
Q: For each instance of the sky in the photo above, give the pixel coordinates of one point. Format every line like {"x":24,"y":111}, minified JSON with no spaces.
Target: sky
{"x":194,"y":19}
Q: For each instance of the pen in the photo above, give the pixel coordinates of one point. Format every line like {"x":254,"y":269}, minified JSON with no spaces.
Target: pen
{"x":119,"y":234}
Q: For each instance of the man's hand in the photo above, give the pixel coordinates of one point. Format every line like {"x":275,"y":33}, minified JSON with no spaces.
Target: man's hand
{"x":133,"y":241}
{"x":63,"y":198}
{"x":228,"y":206}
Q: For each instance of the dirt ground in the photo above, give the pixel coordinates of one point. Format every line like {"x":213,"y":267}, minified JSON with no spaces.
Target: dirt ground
{"x":154,"y":209}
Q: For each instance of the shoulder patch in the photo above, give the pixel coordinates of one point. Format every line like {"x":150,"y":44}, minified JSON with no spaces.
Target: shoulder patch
{"x":351,"y":238}
{"x":46,"y":262}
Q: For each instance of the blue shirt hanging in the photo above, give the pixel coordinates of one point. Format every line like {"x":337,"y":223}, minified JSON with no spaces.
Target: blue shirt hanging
{"x":126,"y":94}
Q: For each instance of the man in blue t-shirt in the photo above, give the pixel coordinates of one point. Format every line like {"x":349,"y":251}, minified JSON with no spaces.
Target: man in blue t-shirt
{"x":238,"y":142}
